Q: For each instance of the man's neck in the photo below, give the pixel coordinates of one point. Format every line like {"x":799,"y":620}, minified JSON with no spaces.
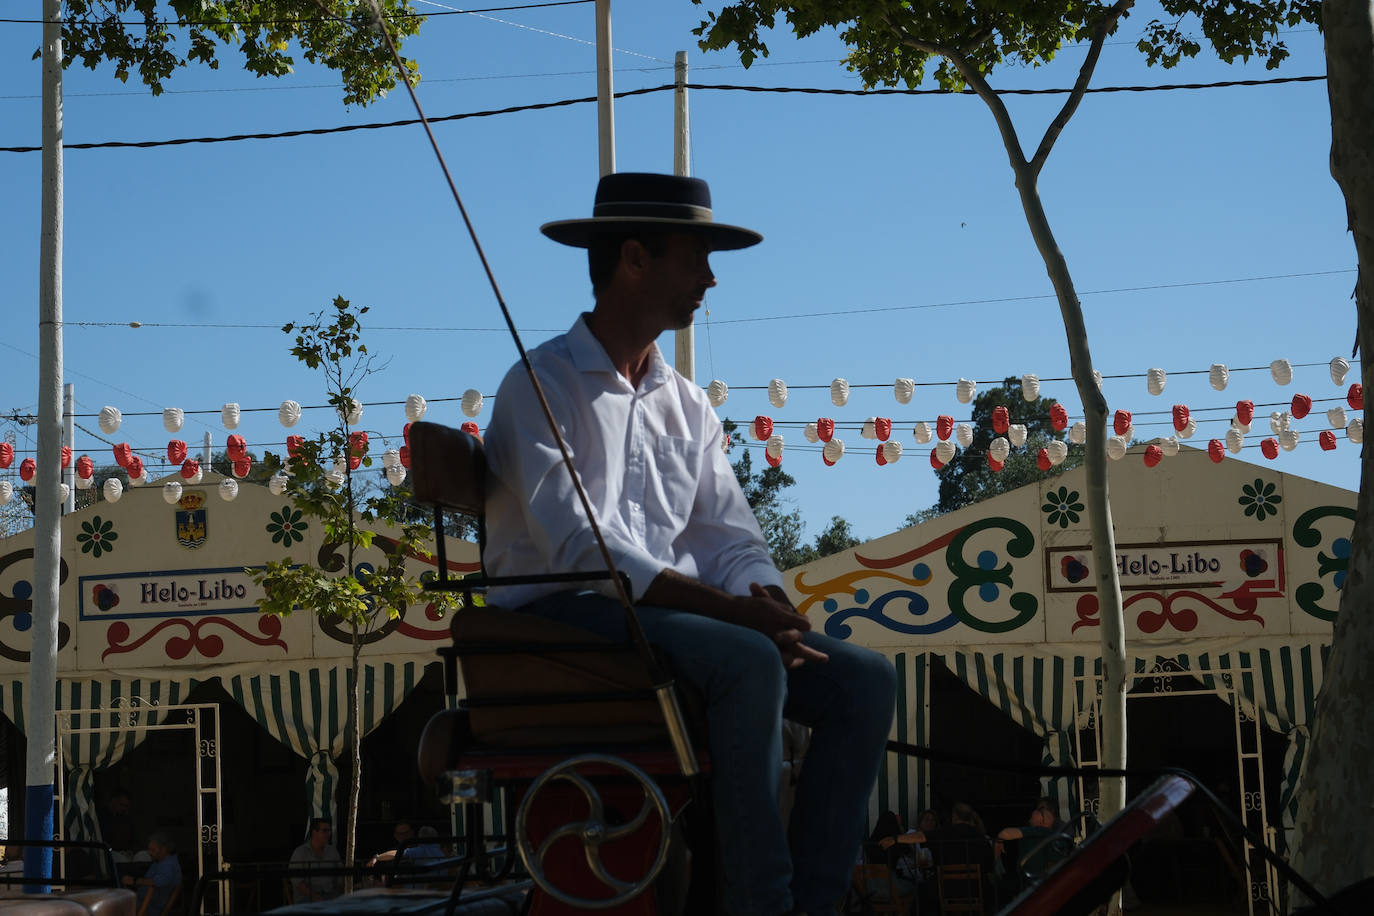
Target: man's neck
{"x":629,"y":345}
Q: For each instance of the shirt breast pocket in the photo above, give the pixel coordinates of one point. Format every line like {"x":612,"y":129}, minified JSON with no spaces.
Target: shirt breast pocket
{"x":672,"y":483}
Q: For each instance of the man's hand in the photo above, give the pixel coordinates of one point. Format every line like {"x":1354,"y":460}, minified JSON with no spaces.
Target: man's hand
{"x":768,"y":611}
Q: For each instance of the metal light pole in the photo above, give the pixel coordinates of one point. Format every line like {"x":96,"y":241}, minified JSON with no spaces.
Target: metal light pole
{"x":684,"y":340}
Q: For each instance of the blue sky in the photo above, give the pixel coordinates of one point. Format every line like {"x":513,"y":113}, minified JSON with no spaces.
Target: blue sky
{"x":894,"y":240}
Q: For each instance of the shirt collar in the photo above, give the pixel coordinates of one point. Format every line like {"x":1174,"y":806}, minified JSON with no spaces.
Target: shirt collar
{"x":589,"y":356}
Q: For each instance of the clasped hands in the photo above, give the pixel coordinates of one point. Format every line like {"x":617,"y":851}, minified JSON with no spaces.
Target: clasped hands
{"x":767,"y":610}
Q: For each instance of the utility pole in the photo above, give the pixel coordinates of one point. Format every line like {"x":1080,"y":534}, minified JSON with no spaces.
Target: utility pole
{"x":684,"y":340}
{"x":605,"y":111}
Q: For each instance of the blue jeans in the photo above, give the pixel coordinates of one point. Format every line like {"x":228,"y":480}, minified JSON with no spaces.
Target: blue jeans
{"x":847,"y":702}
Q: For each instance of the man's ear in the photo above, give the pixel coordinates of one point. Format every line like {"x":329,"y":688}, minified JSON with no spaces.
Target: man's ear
{"x":634,"y":257}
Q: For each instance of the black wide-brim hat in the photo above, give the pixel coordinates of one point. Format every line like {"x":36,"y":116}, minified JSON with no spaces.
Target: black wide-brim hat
{"x":626,"y":201}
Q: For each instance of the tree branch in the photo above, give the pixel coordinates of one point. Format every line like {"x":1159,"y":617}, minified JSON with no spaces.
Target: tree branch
{"x":1080,"y":85}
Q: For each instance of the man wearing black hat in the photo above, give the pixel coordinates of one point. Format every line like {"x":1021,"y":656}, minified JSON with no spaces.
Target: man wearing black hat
{"x":647,"y":447}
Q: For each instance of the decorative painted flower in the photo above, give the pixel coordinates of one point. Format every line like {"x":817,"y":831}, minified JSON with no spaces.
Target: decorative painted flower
{"x":1260,"y":500}
{"x":97,"y":536}
{"x":286,"y":526}
{"x":1063,"y":507}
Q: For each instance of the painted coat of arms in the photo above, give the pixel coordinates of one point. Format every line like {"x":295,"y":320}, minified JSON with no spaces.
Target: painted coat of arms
{"x":191,"y":521}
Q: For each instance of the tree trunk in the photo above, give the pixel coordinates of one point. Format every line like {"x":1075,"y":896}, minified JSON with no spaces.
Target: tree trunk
{"x":353,"y":732}
{"x":1331,"y":849}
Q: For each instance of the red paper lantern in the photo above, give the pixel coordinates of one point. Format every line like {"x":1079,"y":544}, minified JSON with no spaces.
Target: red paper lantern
{"x":1216,"y":450}
{"x":882,"y":459}
{"x":1121,"y":421}
{"x":1355,"y":397}
{"x":176,"y":451}
{"x":994,"y":463}
{"x":357,"y":442}
{"x":1059,"y":417}
{"x":944,"y":426}
{"x":1153,"y":455}
{"x":242,"y":466}
{"x":1181,"y":415}
{"x":85,"y":467}
{"x":1327,"y":440}
{"x":828,"y":462}
{"x":470,"y":428}
{"x":772,"y":462}
{"x":190,"y":468}
{"x":6,"y":454}
{"x":1245,"y":411}
{"x":134,"y":467}
{"x":882,"y":426}
{"x":1001,"y":420}
{"x":825,"y":430}
{"x":1302,"y":406}
{"x":122,"y":454}
{"x":66,"y":457}
{"x":294,"y":445}
{"x":405,"y":433}
{"x":935,"y":461}
{"x":763,"y":427}
{"x":27,"y":468}
{"x":1270,"y":448}
{"x":405,"y":455}
{"x":235,"y":447}
{"x":1042,"y":459}
{"x":354,"y":461}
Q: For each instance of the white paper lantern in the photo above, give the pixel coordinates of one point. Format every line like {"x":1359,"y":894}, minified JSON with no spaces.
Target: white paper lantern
{"x":140,"y":480}
{"x":335,"y":477}
{"x":999,"y":449}
{"x":1278,"y":421}
{"x":1243,"y":427}
{"x":7,"y":491}
{"x":1057,"y":450}
{"x":921,"y":431}
{"x":1116,"y":448}
{"x":777,"y":392}
{"x":1017,"y":434}
{"x":416,"y":407}
{"x":839,"y":392}
{"x":199,"y":475}
{"x":1030,"y":386}
{"x":1282,"y":371}
{"x":869,"y":431}
{"x":944,"y":450}
{"x":289,"y":413}
{"x":965,"y":390}
{"x":1097,"y":379}
{"x":717,"y":392}
{"x":352,"y":412}
{"x":1155,"y":380}
{"x":1288,"y":439}
{"x":471,"y":402}
{"x":904,"y":389}
{"x":395,"y":475}
{"x":1355,"y":430}
{"x":391,"y":458}
{"x":811,"y":434}
{"x":172,"y":419}
{"x":774,"y":446}
{"x":277,"y":483}
{"x":963,"y":434}
{"x":229,"y":415}
{"x":892,"y":451}
{"x":1190,"y":429}
{"x":1339,"y":367}
{"x":171,"y":492}
{"x":85,"y":483}
{"x":113,"y":489}
{"x":1218,"y":375}
{"x":1129,"y":434}
{"x":1235,"y":440}
{"x":834,"y":450}
{"x":64,"y":491}
{"x":228,"y":489}
{"x":110,"y":418}
{"x":1336,"y":417}
{"x":1078,"y":433}
{"x":1169,"y":446}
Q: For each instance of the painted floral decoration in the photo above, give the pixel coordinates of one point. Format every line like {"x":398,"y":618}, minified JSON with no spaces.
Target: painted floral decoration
{"x":1260,"y":500}
{"x":97,"y":536}
{"x":1063,"y":507}
{"x":286,"y":526}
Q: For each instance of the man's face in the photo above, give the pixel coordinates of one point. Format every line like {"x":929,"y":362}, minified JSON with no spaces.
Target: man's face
{"x":156,"y":851}
{"x":1041,"y":817}
{"x":404,"y":833}
{"x":319,"y":837}
{"x":678,"y":279}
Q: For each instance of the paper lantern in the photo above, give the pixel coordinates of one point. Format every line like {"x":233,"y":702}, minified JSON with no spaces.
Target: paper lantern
{"x":1288,"y":439}
{"x":176,"y":451}
{"x":1235,"y":440}
{"x":172,"y":418}
{"x":965,"y":390}
{"x":137,"y":473}
{"x":190,"y":468}
{"x":354,"y":462}
{"x":777,"y":392}
{"x":811,"y":433}
{"x":1339,"y":367}
{"x":1181,"y":417}
{"x":85,"y":468}
{"x":294,"y":445}
{"x":921,"y":432}
{"x":1042,"y":460}
{"x":84,"y":483}
{"x":171,"y":492}
{"x":1121,"y":421}
{"x":228,"y":489}
{"x":892,"y":451}
{"x":999,"y":448}
{"x":1282,"y":371}
{"x":1016,"y":432}
{"x":869,"y":430}
{"x":945,"y":449}
{"x":1327,"y":440}
{"x":113,"y":489}
{"x":27,"y":469}
{"x":825,"y":429}
{"x":904,"y":389}
{"x":6,"y":454}
{"x":470,"y":428}
{"x":1030,"y":387}
{"x":63,"y":492}
{"x":6,"y":492}
{"x":405,"y":456}
{"x":66,"y":457}
{"x":1355,"y":431}
{"x":1059,"y":417}
{"x":1355,"y":397}
{"x":1270,"y":447}
{"x":935,"y":460}
{"x":1001,"y":419}
{"x":1243,"y":427}
{"x":391,"y":458}
{"x":1153,"y":455}
{"x":236,"y":447}
{"x":1116,"y":448}
{"x":416,"y":407}
{"x":109,"y":420}
{"x":395,"y":475}
{"x":241,"y":466}
{"x":122,"y":454}
{"x":289,"y":413}
{"x":834,"y":450}
{"x":882,"y":428}
{"x":717,"y":392}
{"x":1057,"y":451}
{"x":994,"y":463}
{"x":335,"y":477}
{"x":471,"y":404}
{"x":229,"y":415}
{"x":839,"y":392}
{"x":772,"y":462}
{"x":1218,"y":376}
{"x":351,"y":412}
{"x":405,"y":433}
{"x":277,"y":484}
{"x":1216,"y":451}
{"x":358,"y":442}
{"x":1335,"y":417}
{"x":1245,"y":412}
{"x":1302,"y":406}
{"x":944,"y":426}
{"x":963,"y":434}
{"x":1169,"y":446}
{"x":879,"y":456}
{"x":1278,"y":421}
{"x":774,"y":446}
{"x":1155,"y":380}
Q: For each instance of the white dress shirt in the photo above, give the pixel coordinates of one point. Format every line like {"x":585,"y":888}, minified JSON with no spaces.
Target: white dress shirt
{"x":651,"y":463}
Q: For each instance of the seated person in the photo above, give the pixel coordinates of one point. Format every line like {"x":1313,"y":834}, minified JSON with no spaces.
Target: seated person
{"x":117,"y":826}
{"x":428,"y":848}
{"x":1035,"y":855}
{"x":899,"y":850}
{"x":318,"y":851}
{"x":162,"y":877}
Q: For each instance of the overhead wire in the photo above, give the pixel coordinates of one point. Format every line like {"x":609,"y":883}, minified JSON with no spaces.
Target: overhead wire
{"x":303,"y":20}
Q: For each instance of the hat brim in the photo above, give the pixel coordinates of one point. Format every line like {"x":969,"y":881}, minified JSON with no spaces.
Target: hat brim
{"x":579,"y":232}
